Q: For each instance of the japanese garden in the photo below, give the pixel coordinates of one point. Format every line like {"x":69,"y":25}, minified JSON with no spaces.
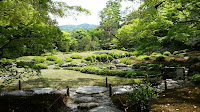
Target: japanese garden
{"x":140,"y":56}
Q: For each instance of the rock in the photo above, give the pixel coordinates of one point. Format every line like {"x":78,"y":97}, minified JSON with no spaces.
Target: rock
{"x":121,"y":65}
{"x":30,"y":61}
{"x":135,"y":66}
{"x":80,"y":64}
{"x":84,"y":99}
{"x":122,"y":89}
{"x":66,"y":65}
{"x":17,"y":93}
{"x":115,"y":61}
{"x":101,"y":53}
{"x":111,"y":67}
{"x":45,"y":63}
{"x":91,"y":89}
{"x":43,"y":90}
{"x":143,"y":68}
{"x":104,"y":109}
{"x":51,"y":66}
{"x":87,"y":105}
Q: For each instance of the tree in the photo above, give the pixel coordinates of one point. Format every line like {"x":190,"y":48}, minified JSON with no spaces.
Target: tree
{"x":29,"y":21}
{"x":110,"y":21}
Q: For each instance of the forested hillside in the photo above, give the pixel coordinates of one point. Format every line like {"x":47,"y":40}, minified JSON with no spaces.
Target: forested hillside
{"x":75,"y":27}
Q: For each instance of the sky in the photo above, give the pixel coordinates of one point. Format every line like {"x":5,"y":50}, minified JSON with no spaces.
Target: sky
{"x":95,"y":6}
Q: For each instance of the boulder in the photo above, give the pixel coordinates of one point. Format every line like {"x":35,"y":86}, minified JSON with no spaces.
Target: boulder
{"x":66,"y":65}
{"x":135,"y":66}
{"x":115,"y":61}
{"x":80,"y":64}
{"x":143,"y":68}
{"x":121,"y":65}
{"x":30,"y":61}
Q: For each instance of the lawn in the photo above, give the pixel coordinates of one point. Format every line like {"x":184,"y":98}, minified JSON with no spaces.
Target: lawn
{"x":63,"y":78}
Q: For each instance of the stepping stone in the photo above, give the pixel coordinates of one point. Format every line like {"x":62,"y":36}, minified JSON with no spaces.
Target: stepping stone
{"x":87,"y":105}
{"x":91,"y":90}
{"x":104,"y":109}
{"x":84,"y":99}
{"x":122,"y":89}
{"x":43,"y":90}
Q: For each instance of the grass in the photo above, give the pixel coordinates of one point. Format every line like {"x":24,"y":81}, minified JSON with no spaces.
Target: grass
{"x":63,"y":78}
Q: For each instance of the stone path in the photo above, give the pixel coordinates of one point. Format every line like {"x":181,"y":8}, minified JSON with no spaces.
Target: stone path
{"x":90,"y":98}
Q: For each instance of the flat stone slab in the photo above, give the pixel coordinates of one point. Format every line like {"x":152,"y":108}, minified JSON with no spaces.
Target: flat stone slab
{"x":104,"y":109}
{"x":91,"y":90}
{"x":84,"y":99}
{"x":87,"y":105}
{"x":43,"y":90}
{"x":17,"y":93}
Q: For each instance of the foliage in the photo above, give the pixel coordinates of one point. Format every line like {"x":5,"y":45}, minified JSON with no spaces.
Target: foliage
{"x":166,"y":53}
{"x":143,"y":57}
{"x":94,"y":70}
{"x":68,"y":59}
{"x":142,"y":96}
{"x":182,"y":54}
{"x":56,"y":67}
{"x":39,"y":59}
{"x":50,"y":62}
{"x":52,"y":58}
{"x":41,"y":66}
{"x":76,"y":56}
{"x":126,"y":61}
{"x":59,"y":61}
{"x":160,"y":58}
{"x":172,"y":59}
{"x":196,"y":78}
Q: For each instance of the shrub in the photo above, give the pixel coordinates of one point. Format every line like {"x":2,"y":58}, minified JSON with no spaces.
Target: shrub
{"x":154,"y":54}
{"x":90,"y":70}
{"x":59,"y":61}
{"x":50,"y":62}
{"x":68,"y":59}
{"x":175,"y":52}
{"x":56,"y":67}
{"x":193,"y":59}
{"x":126,"y":61}
{"x":136,"y":53}
{"x":142,"y":96}
{"x":166,"y":53}
{"x":172,"y":59}
{"x":83,"y":61}
{"x":110,"y":58}
{"x":90,"y":59}
{"x":76,"y":56}
{"x":133,"y":57}
{"x":104,"y":57}
{"x":143,"y":57}
{"x":39,"y":59}
{"x":196,"y":79}
{"x":116,"y":56}
{"x":182,"y":54}
{"x":5,"y":61}
{"x":160,"y":58}
{"x":52,"y":58}
{"x":41,"y":66}
{"x":72,"y":63}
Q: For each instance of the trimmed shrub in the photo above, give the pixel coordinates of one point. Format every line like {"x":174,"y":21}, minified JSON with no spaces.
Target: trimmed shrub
{"x":50,"y":62}
{"x":41,"y":66}
{"x":68,"y":59}
{"x":133,"y":57}
{"x":39,"y":59}
{"x":73,"y":68}
{"x":90,"y":70}
{"x":126,"y":61}
{"x":196,"y":79}
{"x":182,"y":55}
{"x":56,"y":67}
{"x":52,"y":58}
{"x":76,"y":56}
{"x":90,"y":59}
{"x":154,"y":54}
{"x":59,"y":61}
{"x":83,"y":61}
{"x":110,"y":58}
{"x":172,"y":59}
{"x":193,"y":59}
{"x":116,"y":56}
{"x":175,"y":52}
{"x":160,"y":58}
{"x":167,"y":53}
{"x":143,"y":57}
{"x":104,"y":57}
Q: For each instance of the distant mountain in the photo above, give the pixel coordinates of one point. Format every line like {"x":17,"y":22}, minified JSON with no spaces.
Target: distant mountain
{"x":75,"y":27}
